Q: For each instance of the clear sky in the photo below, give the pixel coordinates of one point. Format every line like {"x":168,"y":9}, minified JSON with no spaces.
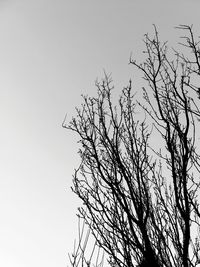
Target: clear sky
{"x":51,"y":51}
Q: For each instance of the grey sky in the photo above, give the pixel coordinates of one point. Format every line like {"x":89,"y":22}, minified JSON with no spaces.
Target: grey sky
{"x":50,"y":53}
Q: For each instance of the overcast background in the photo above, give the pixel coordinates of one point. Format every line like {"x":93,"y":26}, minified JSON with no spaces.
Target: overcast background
{"x":51,"y":51}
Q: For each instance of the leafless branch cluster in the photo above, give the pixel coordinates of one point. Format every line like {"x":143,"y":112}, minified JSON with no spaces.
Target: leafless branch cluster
{"x":141,"y":202}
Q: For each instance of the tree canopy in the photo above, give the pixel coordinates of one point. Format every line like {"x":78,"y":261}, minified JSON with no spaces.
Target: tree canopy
{"x":139,"y":176}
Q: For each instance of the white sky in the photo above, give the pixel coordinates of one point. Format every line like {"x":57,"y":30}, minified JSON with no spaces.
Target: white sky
{"x":50,"y":53}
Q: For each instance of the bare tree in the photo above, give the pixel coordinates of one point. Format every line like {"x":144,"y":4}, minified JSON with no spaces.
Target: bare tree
{"x":142,"y":200}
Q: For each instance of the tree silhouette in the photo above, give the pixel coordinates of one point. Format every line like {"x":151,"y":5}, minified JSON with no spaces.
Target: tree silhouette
{"x":139,"y":175}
